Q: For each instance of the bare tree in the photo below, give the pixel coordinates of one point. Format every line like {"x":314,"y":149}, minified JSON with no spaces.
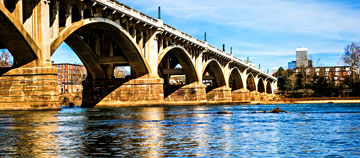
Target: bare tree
{"x":5,"y":59}
{"x":79,"y":74}
{"x":352,"y":56}
{"x":316,"y":62}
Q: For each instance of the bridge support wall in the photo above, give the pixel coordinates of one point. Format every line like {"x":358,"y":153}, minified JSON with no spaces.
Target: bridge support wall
{"x":254,"y":96}
{"x":136,"y":92}
{"x":240,"y":96}
{"x":192,"y":94}
{"x":32,"y":88}
{"x":221,"y":95}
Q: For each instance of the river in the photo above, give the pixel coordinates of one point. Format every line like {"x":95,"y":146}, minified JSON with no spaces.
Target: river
{"x":310,"y":130}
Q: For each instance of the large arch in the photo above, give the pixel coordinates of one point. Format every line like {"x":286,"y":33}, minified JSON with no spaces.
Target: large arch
{"x":235,"y":80}
{"x":261,"y":86}
{"x":250,"y":82}
{"x":15,"y":38}
{"x":171,"y":57}
{"x":184,"y":60}
{"x":213,"y":73}
{"x":268,"y":88}
{"x":113,"y":30}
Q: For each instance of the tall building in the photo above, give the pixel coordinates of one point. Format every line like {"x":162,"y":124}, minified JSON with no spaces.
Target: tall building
{"x":301,"y":57}
{"x":292,"y":65}
{"x":70,"y":77}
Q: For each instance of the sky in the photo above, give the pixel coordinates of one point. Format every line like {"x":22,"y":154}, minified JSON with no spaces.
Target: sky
{"x":266,"y":31}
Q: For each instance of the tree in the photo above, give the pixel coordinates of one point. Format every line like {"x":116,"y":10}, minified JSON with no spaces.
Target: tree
{"x":281,"y":72}
{"x":79,"y":74}
{"x":352,"y":56}
{"x":284,"y":83}
{"x":5,"y":59}
{"x":319,"y":86}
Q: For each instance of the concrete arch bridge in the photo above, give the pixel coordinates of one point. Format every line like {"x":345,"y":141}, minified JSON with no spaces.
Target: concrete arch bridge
{"x":106,"y":34}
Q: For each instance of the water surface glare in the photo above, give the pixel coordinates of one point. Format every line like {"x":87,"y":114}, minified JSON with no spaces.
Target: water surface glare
{"x":310,"y":130}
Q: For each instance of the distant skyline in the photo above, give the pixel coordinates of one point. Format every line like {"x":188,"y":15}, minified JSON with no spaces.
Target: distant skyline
{"x":266,"y":31}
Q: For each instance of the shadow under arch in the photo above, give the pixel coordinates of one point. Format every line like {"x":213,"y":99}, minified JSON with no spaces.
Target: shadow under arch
{"x":250,"y":82}
{"x":261,"y":86}
{"x":268,"y":88}
{"x":235,"y":80}
{"x":84,"y":37}
{"x":15,"y":38}
{"x":113,"y":30}
{"x":213,"y":76}
{"x":167,"y":62}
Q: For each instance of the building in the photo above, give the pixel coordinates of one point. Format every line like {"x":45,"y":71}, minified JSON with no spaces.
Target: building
{"x":333,"y":73}
{"x":292,"y":65}
{"x":301,"y":57}
{"x":70,"y":77}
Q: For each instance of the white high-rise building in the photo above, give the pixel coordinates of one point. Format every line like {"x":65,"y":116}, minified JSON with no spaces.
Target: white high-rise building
{"x":301,"y":57}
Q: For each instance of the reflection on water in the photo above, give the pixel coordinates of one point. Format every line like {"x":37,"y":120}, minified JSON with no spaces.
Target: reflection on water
{"x":28,"y":134}
{"x":316,"y":130}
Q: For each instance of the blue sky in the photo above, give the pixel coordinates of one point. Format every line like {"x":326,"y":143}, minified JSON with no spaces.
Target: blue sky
{"x":267,"y":31}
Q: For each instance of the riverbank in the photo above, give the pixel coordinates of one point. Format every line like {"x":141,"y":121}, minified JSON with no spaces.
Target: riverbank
{"x":322,"y":100}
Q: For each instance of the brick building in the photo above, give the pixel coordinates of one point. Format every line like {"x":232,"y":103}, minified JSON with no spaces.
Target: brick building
{"x":333,"y":73}
{"x":70,"y":77}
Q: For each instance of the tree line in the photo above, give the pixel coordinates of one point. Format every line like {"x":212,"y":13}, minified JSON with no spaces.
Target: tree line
{"x":305,"y":83}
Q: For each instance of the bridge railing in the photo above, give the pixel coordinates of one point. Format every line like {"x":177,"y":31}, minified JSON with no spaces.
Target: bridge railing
{"x":117,"y":6}
{"x":124,"y":9}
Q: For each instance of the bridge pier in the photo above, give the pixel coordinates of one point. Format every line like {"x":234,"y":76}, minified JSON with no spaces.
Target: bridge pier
{"x":240,"y":96}
{"x":29,"y":88}
{"x":255,"y":96}
{"x":219,"y":95}
{"x":191,"y":94}
{"x":136,"y":92}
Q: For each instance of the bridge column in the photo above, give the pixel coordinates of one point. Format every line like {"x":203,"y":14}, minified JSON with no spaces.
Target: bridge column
{"x":34,"y":85}
{"x":18,"y":12}
{"x":69,"y":18}
{"x":55,"y":24}
{"x":151,"y":53}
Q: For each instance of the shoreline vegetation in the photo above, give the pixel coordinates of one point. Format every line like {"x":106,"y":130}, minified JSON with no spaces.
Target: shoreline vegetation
{"x":312,"y":100}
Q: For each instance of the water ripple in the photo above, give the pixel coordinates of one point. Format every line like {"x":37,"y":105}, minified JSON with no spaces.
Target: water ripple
{"x":311,"y":130}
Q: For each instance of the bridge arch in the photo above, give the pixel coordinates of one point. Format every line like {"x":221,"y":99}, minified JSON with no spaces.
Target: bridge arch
{"x":268,"y":87}
{"x":261,"y":86}
{"x":184,"y":60}
{"x":118,"y":34}
{"x":213,"y":76}
{"x":235,"y":80}
{"x":250,"y":82}
{"x":17,"y":41}
{"x":176,"y":68}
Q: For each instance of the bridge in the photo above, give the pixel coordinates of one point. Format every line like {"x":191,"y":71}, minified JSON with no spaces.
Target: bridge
{"x":106,"y":34}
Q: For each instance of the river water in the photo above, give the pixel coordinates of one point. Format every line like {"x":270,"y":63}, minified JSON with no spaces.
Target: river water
{"x":310,"y":130}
